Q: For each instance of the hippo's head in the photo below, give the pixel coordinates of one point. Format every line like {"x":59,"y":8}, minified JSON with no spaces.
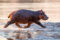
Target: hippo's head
{"x":42,"y":15}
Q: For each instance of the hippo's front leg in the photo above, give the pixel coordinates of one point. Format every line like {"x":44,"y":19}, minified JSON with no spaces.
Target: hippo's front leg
{"x":37,"y":22}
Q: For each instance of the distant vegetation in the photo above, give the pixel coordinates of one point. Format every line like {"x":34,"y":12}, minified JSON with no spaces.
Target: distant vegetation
{"x":27,"y":1}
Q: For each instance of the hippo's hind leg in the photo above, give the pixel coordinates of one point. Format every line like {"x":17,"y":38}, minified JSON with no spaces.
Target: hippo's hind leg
{"x":28,"y":25}
{"x":17,"y":24}
{"x":37,"y":22}
{"x":8,"y":23}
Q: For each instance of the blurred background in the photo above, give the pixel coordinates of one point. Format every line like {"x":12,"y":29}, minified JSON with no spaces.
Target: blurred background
{"x":51,"y":8}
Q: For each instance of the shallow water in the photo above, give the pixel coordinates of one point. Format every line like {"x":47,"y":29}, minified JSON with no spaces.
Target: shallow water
{"x":35,"y":32}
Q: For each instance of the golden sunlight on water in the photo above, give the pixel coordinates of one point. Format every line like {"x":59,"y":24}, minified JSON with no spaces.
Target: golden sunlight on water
{"x":35,"y":32}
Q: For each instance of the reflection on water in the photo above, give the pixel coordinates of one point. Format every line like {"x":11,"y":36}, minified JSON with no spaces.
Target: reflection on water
{"x":52,"y":32}
{"x":35,"y":32}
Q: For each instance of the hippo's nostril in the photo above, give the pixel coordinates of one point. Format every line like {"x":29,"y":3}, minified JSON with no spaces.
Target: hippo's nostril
{"x":46,"y":18}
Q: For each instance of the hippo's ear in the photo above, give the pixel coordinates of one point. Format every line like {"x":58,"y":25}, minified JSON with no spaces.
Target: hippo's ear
{"x":41,"y":11}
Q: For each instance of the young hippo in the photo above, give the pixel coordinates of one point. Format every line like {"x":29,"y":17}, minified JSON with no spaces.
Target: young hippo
{"x":26,"y":16}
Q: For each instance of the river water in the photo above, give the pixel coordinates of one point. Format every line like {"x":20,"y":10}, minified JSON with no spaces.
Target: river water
{"x":35,"y":32}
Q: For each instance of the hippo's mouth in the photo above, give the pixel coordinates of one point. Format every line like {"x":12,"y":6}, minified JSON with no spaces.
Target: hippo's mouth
{"x":45,"y":18}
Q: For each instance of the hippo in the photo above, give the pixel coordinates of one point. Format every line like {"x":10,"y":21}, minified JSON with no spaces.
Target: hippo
{"x":24,"y":16}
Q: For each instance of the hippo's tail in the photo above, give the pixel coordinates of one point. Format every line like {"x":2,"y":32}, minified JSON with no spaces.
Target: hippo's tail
{"x":9,"y":15}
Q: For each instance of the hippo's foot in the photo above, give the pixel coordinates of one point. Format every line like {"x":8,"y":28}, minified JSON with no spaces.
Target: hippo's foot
{"x":26,"y":26}
{"x":43,"y":27}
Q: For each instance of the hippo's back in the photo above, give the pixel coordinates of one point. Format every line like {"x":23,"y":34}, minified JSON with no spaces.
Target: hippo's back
{"x":22,"y":15}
